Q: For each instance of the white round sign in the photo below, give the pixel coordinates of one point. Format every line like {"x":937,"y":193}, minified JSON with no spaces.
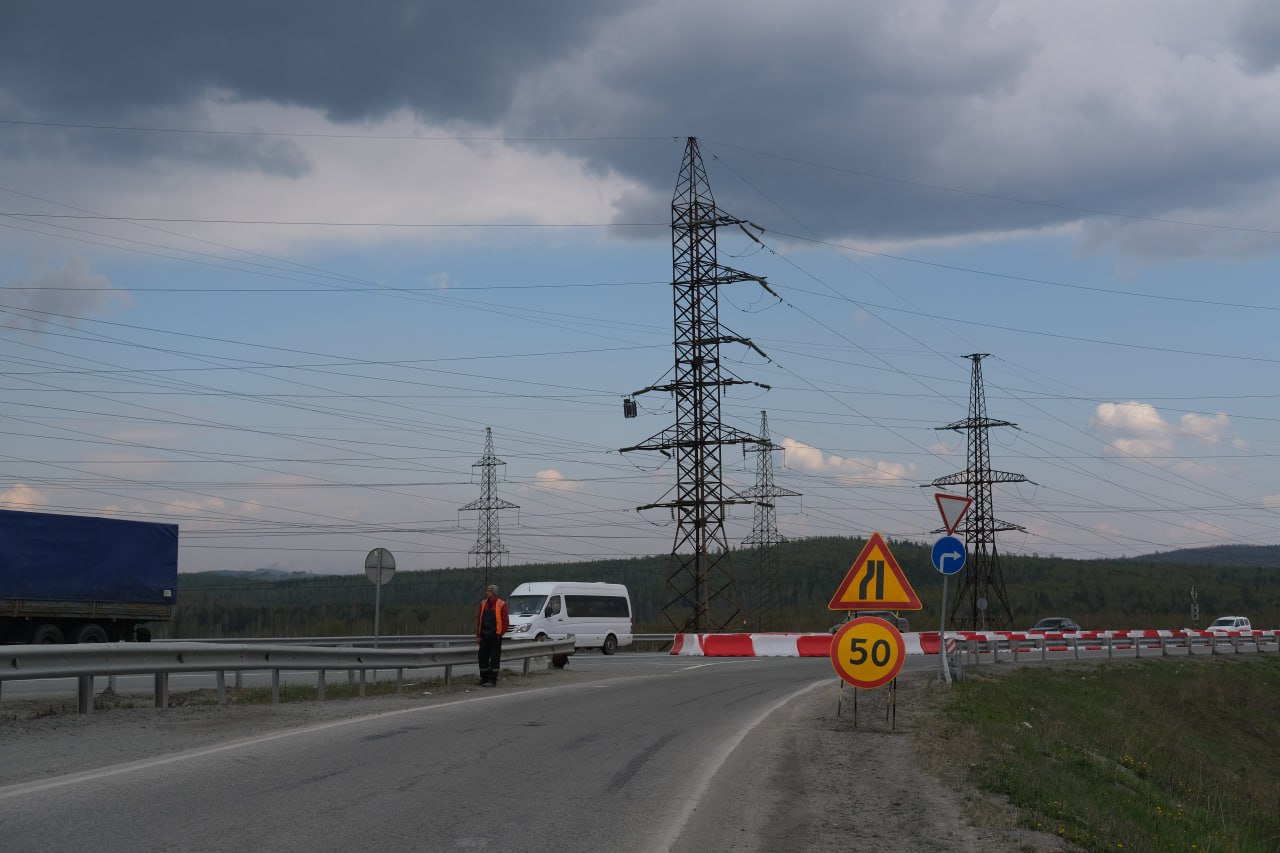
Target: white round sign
{"x":380,"y":566}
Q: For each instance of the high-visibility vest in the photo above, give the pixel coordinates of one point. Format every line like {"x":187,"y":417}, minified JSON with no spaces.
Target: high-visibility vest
{"x":502,"y":618}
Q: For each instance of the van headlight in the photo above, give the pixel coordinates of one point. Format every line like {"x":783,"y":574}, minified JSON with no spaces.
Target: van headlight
{"x":521,"y":629}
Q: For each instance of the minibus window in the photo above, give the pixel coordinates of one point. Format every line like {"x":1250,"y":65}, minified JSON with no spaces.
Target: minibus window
{"x":597,"y":606}
{"x":553,"y":607}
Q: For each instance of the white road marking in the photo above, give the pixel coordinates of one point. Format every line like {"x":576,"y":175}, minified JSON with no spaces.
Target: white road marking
{"x":24,"y":788}
{"x":674,"y":830}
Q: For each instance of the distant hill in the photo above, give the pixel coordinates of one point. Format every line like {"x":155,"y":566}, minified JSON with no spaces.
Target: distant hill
{"x":257,"y":574}
{"x":1238,"y":556}
{"x":1152,"y":591}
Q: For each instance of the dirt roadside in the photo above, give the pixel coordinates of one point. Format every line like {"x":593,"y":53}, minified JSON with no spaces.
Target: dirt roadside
{"x":830,"y":782}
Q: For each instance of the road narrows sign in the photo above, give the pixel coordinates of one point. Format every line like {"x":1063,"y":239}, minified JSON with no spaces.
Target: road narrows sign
{"x":875,"y":582}
{"x":867,"y":652}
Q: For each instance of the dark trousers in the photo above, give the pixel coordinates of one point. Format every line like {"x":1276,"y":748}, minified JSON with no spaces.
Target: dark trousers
{"x":490,"y":657}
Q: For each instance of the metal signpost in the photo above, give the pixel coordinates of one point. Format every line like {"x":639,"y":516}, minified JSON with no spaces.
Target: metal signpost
{"x":380,"y":565}
{"x":949,"y":556}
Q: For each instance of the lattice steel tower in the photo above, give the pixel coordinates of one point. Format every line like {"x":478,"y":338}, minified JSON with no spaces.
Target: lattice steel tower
{"x":700,"y":592}
{"x":982,"y":603}
{"x":761,"y":597}
{"x":488,"y":548}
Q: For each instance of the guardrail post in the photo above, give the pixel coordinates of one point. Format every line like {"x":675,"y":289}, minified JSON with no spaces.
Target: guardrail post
{"x":239,"y":678}
{"x":1075,"y":646}
{"x":448,"y":673}
{"x":1137,"y":647}
{"x":221,"y":689}
{"x":1111,"y":641}
{"x":85,"y":697}
{"x":1164,"y":647}
{"x":320,"y":685}
{"x":1044,"y":649}
{"x":360,"y":691}
{"x":525,"y":671}
{"x":162,"y":690}
{"x":275,"y":687}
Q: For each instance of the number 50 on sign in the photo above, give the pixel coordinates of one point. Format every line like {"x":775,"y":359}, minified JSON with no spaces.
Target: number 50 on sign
{"x":867,"y":652}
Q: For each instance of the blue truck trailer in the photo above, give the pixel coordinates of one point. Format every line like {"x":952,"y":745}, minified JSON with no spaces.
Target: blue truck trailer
{"x":82,"y":579}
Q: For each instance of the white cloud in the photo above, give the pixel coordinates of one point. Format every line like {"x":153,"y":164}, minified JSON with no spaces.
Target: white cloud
{"x":188,"y":506}
{"x":1139,"y":429}
{"x":58,"y":296}
{"x":550,"y":478}
{"x":1133,"y":418}
{"x":807,"y":458}
{"x":22,"y":496}
{"x":1209,"y":428}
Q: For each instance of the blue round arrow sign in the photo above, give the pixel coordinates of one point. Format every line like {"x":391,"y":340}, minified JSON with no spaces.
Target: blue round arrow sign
{"x":949,"y":555}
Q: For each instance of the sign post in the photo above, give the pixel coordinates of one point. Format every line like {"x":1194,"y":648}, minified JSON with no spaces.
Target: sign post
{"x":949,"y":557}
{"x":380,"y":565}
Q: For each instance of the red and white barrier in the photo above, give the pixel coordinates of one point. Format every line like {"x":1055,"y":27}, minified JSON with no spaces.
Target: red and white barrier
{"x":785,"y":645}
{"x":921,"y":642}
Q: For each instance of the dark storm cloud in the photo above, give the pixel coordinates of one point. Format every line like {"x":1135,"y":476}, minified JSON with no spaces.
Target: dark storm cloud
{"x":885,"y":114}
{"x":123,"y":62}
{"x":1257,"y":36}
{"x":854,"y":117}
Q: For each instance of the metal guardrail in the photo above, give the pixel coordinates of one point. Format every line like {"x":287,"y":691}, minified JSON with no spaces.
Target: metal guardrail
{"x":989,"y":649}
{"x":647,"y":642}
{"x":84,"y":661}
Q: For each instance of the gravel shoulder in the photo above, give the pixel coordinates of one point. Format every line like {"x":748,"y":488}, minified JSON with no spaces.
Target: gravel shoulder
{"x":807,"y":779}
{"x":813,"y":779}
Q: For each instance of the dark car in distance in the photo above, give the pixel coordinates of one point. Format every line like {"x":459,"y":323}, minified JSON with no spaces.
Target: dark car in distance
{"x":1054,"y":625}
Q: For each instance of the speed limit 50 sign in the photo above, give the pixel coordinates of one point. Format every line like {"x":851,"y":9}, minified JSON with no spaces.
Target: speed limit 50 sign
{"x":867,"y":652}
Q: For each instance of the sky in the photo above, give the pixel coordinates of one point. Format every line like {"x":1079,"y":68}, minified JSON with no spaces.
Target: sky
{"x":270,"y":271}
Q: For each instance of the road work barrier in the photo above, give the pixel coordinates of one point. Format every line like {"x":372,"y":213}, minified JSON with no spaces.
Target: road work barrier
{"x":982,"y":646}
{"x":781,"y":645}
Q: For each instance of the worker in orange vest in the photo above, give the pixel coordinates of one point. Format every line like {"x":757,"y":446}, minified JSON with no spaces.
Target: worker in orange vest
{"x":491,"y":623}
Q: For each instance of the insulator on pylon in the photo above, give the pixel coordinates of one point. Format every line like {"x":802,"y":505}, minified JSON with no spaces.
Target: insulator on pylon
{"x":629,"y":408}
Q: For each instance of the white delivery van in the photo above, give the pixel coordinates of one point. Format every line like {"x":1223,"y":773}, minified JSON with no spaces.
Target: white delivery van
{"x":597,"y":614}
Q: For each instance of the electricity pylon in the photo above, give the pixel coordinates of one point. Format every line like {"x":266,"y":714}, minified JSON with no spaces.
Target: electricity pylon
{"x":488,"y":549}
{"x":762,"y":590}
{"x":701,"y":594}
{"x":974,"y":607}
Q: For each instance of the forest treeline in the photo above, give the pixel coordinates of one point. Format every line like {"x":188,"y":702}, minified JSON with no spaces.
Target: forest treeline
{"x":1099,"y":594}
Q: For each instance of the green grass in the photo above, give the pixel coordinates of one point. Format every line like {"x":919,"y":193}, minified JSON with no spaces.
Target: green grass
{"x":1159,"y":755}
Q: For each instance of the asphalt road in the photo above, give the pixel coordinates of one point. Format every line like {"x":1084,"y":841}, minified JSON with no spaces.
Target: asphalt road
{"x":616,"y":763}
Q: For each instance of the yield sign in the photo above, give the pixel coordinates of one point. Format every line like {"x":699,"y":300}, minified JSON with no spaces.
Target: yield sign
{"x":875,"y":582}
{"x":953,"y":509}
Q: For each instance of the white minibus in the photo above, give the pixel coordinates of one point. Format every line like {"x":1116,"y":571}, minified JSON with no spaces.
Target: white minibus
{"x":597,"y":614}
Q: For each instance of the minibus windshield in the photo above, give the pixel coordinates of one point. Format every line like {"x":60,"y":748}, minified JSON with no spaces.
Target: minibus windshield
{"x":526,"y":605}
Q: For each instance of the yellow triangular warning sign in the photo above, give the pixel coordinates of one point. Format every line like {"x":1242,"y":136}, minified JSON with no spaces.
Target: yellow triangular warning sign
{"x":875,"y":582}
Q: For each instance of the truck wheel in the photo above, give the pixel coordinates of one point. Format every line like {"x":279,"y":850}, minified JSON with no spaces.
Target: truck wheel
{"x":610,"y":645}
{"x":91,"y":634}
{"x":540,"y":638}
{"x":46,"y":635}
